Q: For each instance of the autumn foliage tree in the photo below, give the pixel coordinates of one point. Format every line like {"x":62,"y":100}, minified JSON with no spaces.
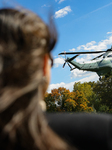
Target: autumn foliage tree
{"x":63,"y":100}
{"x":50,"y":102}
{"x":87,"y":89}
{"x":86,"y":97}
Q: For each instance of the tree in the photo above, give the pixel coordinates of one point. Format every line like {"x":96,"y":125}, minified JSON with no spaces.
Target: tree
{"x":62,"y":99}
{"x":70,"y":105}
{"x":60,"y":95}
{"x":50,"y":103}
{"x":91,"y":96}
{"x":103,"y":89}
{"x":104,"y":108}
{"x":56,"y":99}
{"x":82,"y":102}
{"x":87,"y":89}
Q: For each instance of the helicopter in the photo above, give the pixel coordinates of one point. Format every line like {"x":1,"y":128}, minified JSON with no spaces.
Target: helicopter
{"x":102,"y":64}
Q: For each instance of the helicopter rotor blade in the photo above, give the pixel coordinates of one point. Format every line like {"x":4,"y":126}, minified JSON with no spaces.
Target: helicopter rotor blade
{"x":97,"y":57}
{"x":65,"y":60}
{"x":65,"y":55}
{"x":73,"y":57}
{"x":69,"y":65}
{"x":69,"y":53}
{"x":64,"y":64}
{"x":69,"y":59}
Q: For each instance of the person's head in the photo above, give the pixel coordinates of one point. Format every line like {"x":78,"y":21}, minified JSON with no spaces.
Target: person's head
{"x":25,"y":46}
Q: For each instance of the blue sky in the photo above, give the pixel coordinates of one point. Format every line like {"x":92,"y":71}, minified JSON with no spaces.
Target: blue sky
{"x":82,"y":25}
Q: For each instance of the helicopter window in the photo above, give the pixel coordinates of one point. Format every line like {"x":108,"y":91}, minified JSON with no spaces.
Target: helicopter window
{"x":109,"y":56}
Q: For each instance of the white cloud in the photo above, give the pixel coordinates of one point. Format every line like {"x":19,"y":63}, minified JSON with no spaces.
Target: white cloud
{"x":102,"y":45}
{"x":91,"y":77}
{"x":81,"y":59}
{"x":46,"y":5}
{"x":58,"y":62}
{"x":72,"y":50}
{"x":62,"y":84}
{"x":109,"y":32}
{"x":78,"y":73}
{"x":60,"y":1}
{"x":85,"y":57}
{"x":62,"y":12}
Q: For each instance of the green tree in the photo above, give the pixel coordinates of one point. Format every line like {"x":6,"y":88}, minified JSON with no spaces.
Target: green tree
{"x":87,"y":89}
{"x":103,"y":89}
{"x":104,"y":108}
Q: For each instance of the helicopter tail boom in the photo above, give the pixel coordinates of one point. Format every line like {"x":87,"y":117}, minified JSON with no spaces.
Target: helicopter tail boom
{"x":74,"y":63}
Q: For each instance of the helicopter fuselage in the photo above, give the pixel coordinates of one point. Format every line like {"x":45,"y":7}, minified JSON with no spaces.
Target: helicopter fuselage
{"x":101,"y":67}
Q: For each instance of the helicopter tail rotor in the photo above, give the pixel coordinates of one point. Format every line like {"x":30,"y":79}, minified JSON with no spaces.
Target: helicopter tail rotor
{"x":64,"y":64}
{"x":67,"y":60}
{"x":68,"y":65}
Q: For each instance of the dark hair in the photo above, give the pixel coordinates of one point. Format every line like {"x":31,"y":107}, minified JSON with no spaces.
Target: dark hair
{"x":24,"y":40}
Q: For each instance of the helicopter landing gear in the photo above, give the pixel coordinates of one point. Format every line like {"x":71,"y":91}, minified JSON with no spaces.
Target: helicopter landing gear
{"x":72,"y":69}
{"x":99,"y":78}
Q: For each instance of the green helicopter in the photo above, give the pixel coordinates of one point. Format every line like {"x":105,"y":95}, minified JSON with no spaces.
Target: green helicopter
{"x":101,"y":64}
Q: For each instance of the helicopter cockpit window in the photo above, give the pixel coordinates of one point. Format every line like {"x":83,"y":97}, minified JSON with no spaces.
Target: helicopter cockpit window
{"x":109,"y":56}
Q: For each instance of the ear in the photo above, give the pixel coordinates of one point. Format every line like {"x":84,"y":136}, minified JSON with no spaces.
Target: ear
{"x":46,"y":58}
